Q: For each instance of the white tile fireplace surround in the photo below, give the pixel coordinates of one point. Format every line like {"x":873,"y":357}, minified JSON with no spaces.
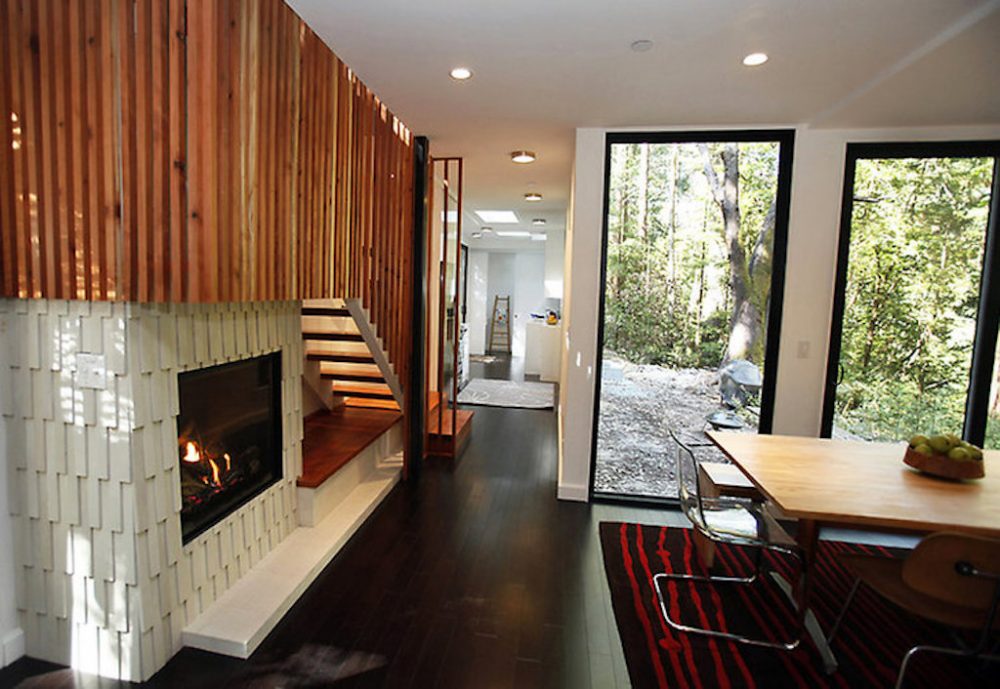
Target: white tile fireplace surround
{"x":104,"y":583}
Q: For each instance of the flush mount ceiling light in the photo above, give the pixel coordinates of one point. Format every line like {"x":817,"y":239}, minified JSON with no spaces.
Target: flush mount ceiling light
{"x":532,"y":196}
{"x":461,"y":73}
{"x":513,"y":233}
{"x":498,"y":217}
{"x":522,"y":157}
{"x":755,"y":59}
{"x":486,"y":230}
{"x":538,"y":221}
{"x":477,"y":235}
{"x":641,"y":45}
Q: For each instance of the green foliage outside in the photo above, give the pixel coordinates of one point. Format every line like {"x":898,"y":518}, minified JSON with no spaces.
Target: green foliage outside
{"x":916,"y":255}
{"x":912,"y":296}
{"x":669,"y":290}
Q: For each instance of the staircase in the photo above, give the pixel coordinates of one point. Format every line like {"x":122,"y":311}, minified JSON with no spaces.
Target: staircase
{"x":349,"y":359}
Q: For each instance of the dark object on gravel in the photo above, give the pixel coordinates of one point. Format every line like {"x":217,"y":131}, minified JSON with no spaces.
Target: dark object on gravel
{"x":723,"y":420}
{"x":739,"y":382}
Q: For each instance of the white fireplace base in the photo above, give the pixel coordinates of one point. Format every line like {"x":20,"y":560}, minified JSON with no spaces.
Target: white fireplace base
{"x":89,"y":395}
{"x":239,"y":620}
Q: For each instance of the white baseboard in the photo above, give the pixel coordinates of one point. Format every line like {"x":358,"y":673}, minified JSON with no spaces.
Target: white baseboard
{"x":11,"y":646}
{"x":576,"y":493}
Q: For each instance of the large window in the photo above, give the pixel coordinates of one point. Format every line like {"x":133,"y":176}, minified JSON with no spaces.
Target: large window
{"x":914,"y":335}
{"x":694,"y":246}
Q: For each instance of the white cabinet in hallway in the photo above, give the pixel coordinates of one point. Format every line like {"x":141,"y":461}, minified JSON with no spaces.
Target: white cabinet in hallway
{"x":542,"y":351}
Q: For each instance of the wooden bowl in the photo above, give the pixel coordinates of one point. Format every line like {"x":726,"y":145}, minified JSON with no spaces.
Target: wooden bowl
{"x":940,"y":465}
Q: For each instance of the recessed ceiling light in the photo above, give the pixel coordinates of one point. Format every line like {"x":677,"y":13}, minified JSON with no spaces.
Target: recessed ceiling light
{"x":538,"y":237}
{"x":513,"y":233}
{"x":538,"y":221}
{"x":498,"y":217}
{"x":755,"y":59}
{"x":461,"y":73}
{"x":641,"y":45}
{"x":532,"y":196}
{"x":522,"y":157}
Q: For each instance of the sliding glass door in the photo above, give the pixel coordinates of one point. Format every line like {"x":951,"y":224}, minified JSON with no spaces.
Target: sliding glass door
{"x":914,"y":337}
{"x":693,"y":269}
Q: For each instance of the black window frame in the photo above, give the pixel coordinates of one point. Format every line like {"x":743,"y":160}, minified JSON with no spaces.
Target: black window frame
{"x":785,"y":138}
{"x":988,"y":317}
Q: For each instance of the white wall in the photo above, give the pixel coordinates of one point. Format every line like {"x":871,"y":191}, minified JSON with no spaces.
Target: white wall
{"x":580,"y":306}
{"x":529,"y":293}
{"x":554,"y":256}
{"x":817,"y":181}
{"x":477,"y":312}
{"x":11,"y":636}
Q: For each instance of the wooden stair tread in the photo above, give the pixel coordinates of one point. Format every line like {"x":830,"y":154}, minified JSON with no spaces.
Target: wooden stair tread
{"x":341,"y":358}
{"x":351,"y":390}
{"x":433,"y":400}
{"x":333,"y":337}
{"x":328,"y":311}
{"x":370,"y":403}
{"x":442,"y":424}
{"x":332,"y":439}
{"x":446,"y":442}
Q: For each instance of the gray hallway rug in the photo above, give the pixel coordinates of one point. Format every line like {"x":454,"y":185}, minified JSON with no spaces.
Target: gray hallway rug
{"x":506,"y":393}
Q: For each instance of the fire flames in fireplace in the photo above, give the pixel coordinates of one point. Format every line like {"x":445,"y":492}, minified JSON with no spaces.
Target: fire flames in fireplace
{"x":206,"y":473}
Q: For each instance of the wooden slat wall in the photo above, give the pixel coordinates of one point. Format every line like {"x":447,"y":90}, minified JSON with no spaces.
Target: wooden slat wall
{"x":201,"y":151}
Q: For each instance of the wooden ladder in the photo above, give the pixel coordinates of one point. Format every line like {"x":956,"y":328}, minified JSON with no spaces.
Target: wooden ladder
{"x":500,"y":325}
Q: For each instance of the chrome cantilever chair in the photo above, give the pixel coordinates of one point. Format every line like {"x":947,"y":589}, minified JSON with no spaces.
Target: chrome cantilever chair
{"x":734,"y":521}
{"x":950,"y":578}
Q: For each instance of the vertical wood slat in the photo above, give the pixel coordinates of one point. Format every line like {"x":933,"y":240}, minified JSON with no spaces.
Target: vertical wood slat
{"x":79,"y":180}
{"x":134,"y":173}
{"x":175,"y":274}
{"x":48,"y":198}
{"x":8,"y":140}
{"x":128,"y":134}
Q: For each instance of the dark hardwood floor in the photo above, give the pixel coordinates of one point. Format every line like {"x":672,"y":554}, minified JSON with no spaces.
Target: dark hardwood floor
{"x":475,"y":577}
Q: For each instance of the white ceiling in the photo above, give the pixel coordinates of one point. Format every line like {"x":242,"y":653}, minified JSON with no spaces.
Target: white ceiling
{"x":544,"y":67}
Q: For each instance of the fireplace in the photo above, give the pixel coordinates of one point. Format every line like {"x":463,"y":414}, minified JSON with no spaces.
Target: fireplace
{"x":229,"y":438}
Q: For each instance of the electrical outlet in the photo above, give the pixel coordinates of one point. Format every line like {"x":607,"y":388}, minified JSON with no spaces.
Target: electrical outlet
{"x":91,"y":372}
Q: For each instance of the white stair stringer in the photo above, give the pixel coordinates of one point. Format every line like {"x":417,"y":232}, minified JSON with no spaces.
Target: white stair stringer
{"x":317,"y":393}
{"x":367,"y":330}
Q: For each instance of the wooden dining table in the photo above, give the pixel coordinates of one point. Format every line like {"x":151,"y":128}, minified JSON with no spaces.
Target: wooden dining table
{"x":860,"y":485}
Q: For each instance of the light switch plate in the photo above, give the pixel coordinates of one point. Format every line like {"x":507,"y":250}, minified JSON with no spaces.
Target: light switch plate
{"x":91,"y":372}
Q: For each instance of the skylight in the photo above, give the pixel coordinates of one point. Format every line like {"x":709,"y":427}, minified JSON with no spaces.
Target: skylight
{"x":498,"y":217}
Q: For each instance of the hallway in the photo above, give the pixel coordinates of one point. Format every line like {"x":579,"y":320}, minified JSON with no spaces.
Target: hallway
{"x":475,"y":577}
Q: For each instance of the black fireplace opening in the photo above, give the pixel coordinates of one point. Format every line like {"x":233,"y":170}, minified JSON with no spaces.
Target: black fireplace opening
{"x":228,"y":438}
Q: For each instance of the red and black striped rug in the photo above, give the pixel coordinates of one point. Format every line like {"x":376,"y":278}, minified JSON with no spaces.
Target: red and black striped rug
{"x":869,"y":648}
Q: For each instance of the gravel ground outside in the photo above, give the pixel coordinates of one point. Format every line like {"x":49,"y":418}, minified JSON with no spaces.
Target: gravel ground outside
{"x":639,"y":403}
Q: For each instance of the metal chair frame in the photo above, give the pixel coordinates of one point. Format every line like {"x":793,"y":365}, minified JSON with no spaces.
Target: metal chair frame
{"x":694,"y":507}
{"x":977,"y":651}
